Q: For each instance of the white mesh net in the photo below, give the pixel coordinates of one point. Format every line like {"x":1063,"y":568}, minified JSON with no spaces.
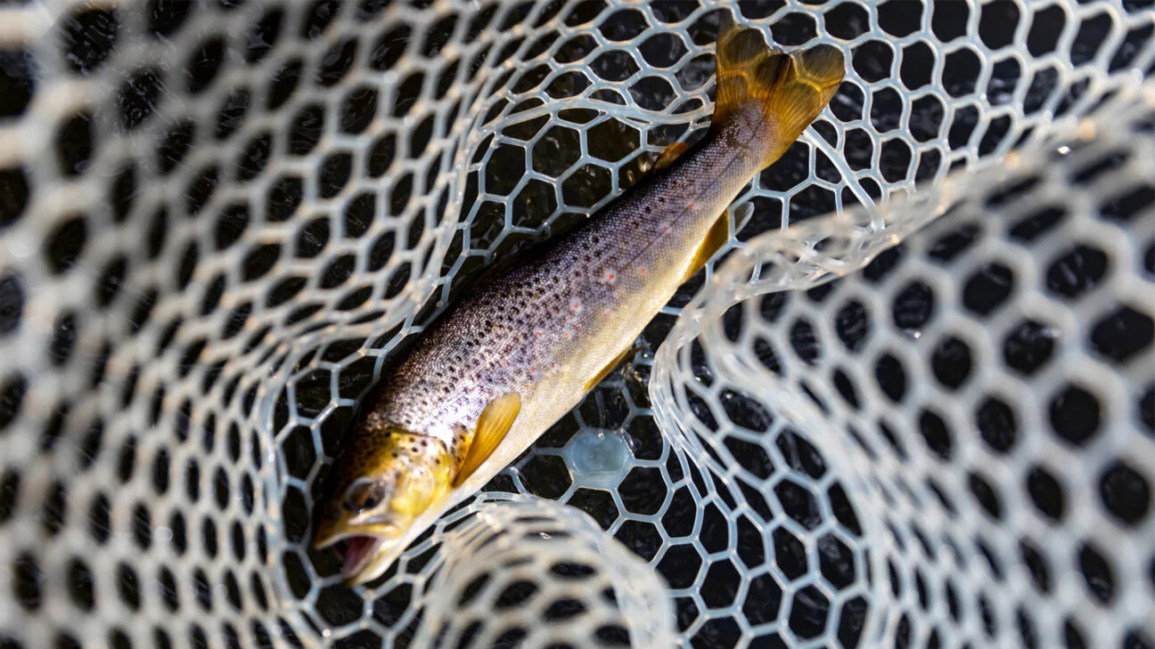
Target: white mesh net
{"x":218,"y":219}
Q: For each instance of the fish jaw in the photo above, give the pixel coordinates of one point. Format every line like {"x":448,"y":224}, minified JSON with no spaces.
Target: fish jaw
{"x":370,"y":549}
{"x":376,"y":560}
{"x":359,"y":554}
{"x":362,"y":549}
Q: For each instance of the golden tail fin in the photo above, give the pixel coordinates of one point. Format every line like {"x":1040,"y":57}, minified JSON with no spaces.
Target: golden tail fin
{"x":789,"y":90}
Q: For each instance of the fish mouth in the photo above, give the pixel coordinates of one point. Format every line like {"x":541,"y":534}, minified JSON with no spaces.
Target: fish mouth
{"x":358,"y":552}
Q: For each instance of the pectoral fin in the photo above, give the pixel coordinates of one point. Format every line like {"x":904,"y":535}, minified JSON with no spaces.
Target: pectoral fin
{"x":717,"y":237}
{"x":605,"y":371}
{"x":670,"y":154}
{"x":492,"y":426}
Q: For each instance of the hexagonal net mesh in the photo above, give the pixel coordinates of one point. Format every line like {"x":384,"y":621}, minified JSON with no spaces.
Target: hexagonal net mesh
{"x":927,"y":421}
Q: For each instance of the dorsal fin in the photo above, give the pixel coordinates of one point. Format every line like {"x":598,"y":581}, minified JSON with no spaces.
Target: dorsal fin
{"x":670,"y":154}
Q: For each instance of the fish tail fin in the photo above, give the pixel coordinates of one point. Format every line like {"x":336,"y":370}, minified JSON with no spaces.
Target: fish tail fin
{"x":787,"y":90}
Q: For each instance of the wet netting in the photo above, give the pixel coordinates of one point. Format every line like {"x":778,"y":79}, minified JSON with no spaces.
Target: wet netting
{"x":922,"y":416}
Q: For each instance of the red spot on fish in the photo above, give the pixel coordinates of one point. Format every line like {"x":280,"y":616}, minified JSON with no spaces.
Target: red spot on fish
{"x":665,"y":228}
{"x":610,"y":277}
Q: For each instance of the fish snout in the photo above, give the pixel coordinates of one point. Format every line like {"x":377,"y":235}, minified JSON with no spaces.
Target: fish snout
{"x":327,"y":533}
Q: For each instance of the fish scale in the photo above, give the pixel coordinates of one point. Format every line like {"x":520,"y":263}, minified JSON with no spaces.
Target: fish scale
{"x":507,"y":361}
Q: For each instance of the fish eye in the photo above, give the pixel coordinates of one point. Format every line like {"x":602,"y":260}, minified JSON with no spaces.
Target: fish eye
{"x":365,"y":495}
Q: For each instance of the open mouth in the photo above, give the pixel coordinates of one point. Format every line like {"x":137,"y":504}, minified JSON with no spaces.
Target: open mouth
{"x":358,"y":552}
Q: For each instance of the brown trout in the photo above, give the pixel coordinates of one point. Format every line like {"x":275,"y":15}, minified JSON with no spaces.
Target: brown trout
{"x":506,"y":362}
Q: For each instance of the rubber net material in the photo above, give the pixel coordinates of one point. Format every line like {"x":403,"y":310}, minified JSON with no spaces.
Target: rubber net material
{"x":925,"y":422}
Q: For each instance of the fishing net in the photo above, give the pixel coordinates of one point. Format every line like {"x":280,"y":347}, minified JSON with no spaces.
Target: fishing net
{"x":927,"y":421}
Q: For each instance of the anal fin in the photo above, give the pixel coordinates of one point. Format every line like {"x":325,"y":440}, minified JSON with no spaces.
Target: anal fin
{"x":605,"y":371}
{"x":717,"y":237}
{"x":493,"y":424}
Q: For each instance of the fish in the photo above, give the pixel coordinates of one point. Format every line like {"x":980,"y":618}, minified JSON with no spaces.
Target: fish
{"x":512,"y":357}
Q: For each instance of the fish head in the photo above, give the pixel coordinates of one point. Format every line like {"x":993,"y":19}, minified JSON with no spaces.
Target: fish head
{"x":380,"y":484}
